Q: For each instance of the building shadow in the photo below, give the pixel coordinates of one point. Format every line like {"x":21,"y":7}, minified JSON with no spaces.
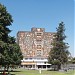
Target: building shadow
{"x":6,"y":74}
{"x":1,"y":72}
{"x":9,"y":71}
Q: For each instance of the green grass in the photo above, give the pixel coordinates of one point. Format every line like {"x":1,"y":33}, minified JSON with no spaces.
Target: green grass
{"x":36,"y":72}
{"x":43,"y":72}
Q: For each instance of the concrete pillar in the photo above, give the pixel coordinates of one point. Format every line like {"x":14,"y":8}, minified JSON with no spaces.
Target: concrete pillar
{"x":35,"y":66}
{"x":40,"y":70}
{"x":46,"y":67}
{"x":42,"y":66}
{"x":32,"y":66}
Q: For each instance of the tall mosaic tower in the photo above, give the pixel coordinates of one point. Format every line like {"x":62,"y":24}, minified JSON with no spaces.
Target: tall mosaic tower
{"x":35,"y":44}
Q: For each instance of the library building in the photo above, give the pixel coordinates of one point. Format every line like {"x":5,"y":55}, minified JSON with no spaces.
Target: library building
{"x":35,"y":46}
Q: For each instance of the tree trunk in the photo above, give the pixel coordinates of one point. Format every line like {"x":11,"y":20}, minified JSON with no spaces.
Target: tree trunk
{"x":59,"y":67}
{"x":7,"y":68}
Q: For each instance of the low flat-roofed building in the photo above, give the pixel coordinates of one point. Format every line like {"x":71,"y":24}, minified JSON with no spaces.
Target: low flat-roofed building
{"x":35,"y":46}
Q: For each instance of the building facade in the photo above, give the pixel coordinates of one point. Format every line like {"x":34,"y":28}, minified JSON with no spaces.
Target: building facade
{"x":35,"y":46}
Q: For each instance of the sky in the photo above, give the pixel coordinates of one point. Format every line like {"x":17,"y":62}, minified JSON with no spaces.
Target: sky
{"x":42,"y":14}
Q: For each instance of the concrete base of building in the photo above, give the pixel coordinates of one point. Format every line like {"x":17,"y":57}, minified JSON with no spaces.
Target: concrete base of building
{"x":38,"y":66}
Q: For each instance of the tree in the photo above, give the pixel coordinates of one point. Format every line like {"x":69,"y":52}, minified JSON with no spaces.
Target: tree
{"x":73,"y":60}
{"x":10,"y":52}
{"x":5,"y":21}
{"x":59,"y":53}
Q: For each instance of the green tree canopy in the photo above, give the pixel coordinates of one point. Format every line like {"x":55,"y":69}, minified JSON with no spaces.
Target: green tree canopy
{"x":5,"y":21}
{"x":10,"y":52}
{"x":73,"y":60}
{"x":59,"y":53}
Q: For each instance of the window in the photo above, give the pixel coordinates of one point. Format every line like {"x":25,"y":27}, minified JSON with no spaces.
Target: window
{"x":38,"y":40}
{"x":38,"y":46}
{"x":39,"y":34}
{"x":38,"y":52}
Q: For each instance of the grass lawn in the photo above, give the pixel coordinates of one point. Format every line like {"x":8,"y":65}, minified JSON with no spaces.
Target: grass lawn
{"x":43,"y":72}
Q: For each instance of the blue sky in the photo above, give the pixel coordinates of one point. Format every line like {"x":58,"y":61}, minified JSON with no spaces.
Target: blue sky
{"x":44,"y":14}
